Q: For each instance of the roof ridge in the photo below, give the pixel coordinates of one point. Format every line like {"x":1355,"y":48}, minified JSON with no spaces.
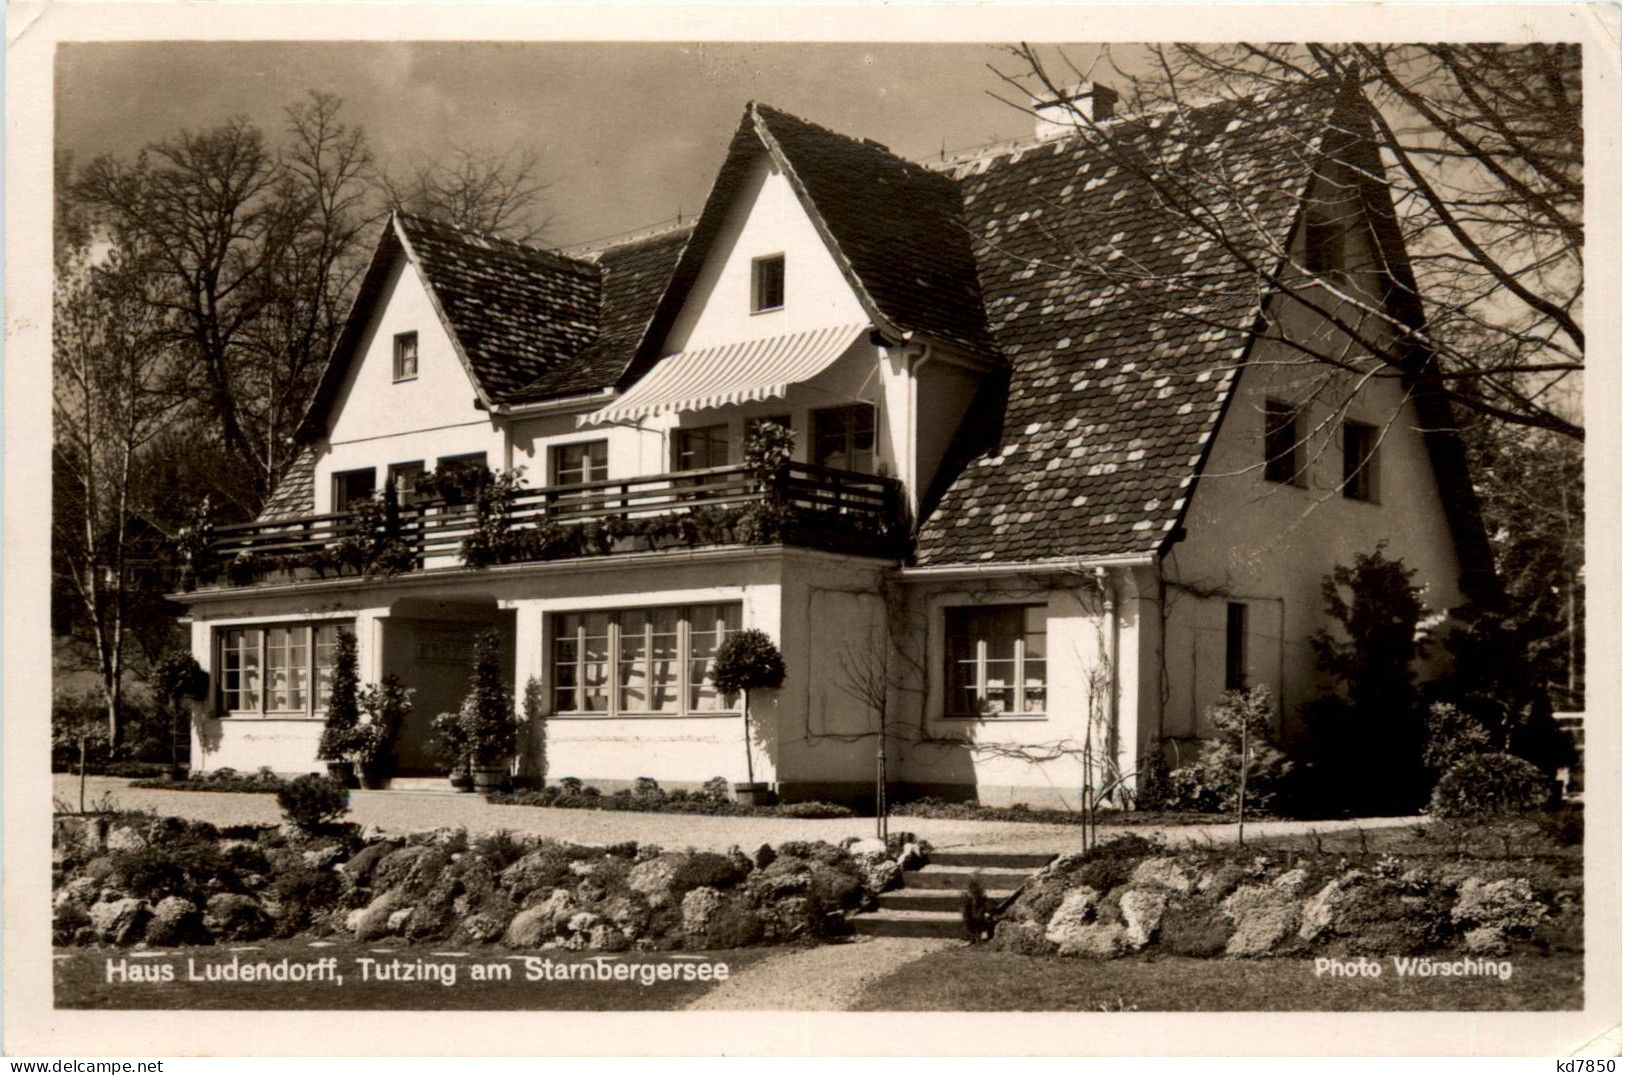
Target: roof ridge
{"x":474,"y":236}
{"x":868,"y":143}
{"x":594,"y":249}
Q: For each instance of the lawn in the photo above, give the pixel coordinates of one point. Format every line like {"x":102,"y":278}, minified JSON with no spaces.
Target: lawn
{"x":981,"y":979}
{"x":81,"y":978}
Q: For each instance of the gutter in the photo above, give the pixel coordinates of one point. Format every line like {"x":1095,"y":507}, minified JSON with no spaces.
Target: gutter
{"x":946,"y":572}
{"x":550,"y":406}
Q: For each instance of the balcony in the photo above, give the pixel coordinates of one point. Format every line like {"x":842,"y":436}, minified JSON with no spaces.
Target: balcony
{"x":802,"y":504}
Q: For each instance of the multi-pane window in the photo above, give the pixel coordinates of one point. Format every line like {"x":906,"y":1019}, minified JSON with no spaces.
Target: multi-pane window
{"x":271,"y":670}
{"x":996,"y":660}
{"x":406,"y":356}
{"x":767,"y":283}
{"x":350,"y":487}
{"x":844,"y":437}
{"x":1359,"y":461}
{"x":577,"y":464}
{"x":639,"y":661}
{"x":700,"y":447}
{"x":1282,"y":443}
{"x":405,"y":478}
{"x":460,"y":476}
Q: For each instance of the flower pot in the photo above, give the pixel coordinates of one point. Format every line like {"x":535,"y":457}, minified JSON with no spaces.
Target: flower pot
{"x":754,"y":794}
{"x":489,"y":778}
{"x":344,"y":773}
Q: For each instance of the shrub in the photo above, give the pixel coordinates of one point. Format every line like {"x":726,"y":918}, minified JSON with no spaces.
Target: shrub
{"x":1452,"y":737}
{"x":310,"y":802}
{"x":386,"y":706}
{"x":1484,"y":784}
{"x":1213,"y":782}
{"x":715,"y":789}
{"x":813,"y":810}
{"x":488,"y":713}
{"x":185,"y":866}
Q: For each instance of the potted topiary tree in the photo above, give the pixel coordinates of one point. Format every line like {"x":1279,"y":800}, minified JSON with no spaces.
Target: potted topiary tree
{"x":745,"y":662}
{"x":386,"y":706}
{"x":488,"y":717}
{"x":339,"y":735}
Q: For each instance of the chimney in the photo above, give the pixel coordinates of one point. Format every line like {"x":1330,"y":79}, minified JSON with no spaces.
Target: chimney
{"x":1059,"y":116}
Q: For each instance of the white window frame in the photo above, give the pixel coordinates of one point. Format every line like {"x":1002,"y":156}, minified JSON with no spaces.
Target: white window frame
{"x":401,"y":339}
{"x":1019,"y":676}
{"x":310,"y":710}
{"x":613,"y":710}
{"x":757,"y":306}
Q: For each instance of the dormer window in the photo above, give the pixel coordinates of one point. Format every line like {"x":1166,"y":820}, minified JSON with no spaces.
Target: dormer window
{"x":406,"y":356}
{"x":767,"y":284}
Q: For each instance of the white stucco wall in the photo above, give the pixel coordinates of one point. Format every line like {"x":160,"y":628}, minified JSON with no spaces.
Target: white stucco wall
{"x":377,"y":421}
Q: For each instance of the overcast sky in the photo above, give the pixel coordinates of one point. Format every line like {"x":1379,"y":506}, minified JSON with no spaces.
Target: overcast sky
{"x":629,"y":133}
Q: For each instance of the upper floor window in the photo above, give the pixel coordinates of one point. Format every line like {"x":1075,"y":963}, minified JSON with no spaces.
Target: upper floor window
{"x":577,"y":464}
{"x":1359,"y":461}
{"x":996,"y":660}
{"x":406,"y":356}
{"x":767,"y":283}
{"x":844,"y":437}
{"x":1322,"y":244}
{"x":404,"y":479}
{"x":350,"y":487}
{"x":459,"y":477}
{"x":1282,"y":443}
{"x":699,"y":448}
{"x":276,"y":669}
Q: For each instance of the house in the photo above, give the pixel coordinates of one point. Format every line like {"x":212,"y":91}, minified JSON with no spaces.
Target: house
{"x":1026,"y":517}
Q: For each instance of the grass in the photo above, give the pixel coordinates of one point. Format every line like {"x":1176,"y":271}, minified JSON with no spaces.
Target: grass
{"x":81,"y":980}
{"x":981,"y":979}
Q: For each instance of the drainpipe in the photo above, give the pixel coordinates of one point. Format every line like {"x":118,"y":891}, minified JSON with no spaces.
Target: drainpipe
{"x":917,"y":361}
{"x":1108,"y":592}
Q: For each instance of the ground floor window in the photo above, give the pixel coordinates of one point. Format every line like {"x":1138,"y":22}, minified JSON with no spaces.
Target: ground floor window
{"x":639,"y":661}
{"x":283,"y":669}
{"x":996,"y":660}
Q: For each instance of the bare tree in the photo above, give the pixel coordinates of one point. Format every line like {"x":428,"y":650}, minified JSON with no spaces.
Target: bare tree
{"x":479,"y":190}
{"x":111,"y":368}
{"x":1468,"y":156}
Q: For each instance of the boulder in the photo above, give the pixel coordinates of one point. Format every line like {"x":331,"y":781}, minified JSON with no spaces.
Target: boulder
{"x":396,"y":923}
{"x":69,"y":921}
{"x":868,"y":847}
{"x":699,"y":907}
{"x":530,"y":928}
{"x":881,"y":875}
{"x":606,"y":938}
{"x":583,"y":922}
{"x":1320,"y":910}
{"x":764,"y":856}
{"x":176,"y":921}
{"x":1264,"y":916}
{"x":1022,"y":938}
{"x":120,"y":922}
{"x":374,"y":920}
{"x":1077,"y":909}
{"x":233,"y":917}
{"x":482,"y":928}
{"x":1097,"y":940}
{"x":911,"y":856}
{"x":1292,"y":881}
{"x":1164,"y":872}
{"x":1486,"y":941}
{"x":791,"y":918}
{"x":323,"y":858}
{"x":629,"y":914}
{"x":1220,"y":882}
{"x":652,"y":879}
{"x":1508,"y":906}
{"x":123,"y":836}
{"x":1142,"y":909}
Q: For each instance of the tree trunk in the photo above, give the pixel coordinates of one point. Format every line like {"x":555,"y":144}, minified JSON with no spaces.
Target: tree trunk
{"x":750,"y":764}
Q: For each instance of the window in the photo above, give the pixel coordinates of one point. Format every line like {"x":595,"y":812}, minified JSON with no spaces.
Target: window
{"x":1322,"y":245}
{"x":1235,"y":646}
{"x":576,"y":464}
{"x":1359,"y":461}
{"x":283,"y":669}
{"x":767,"y":283}
{"x":458,"y":477}
{"x":1281,"y":443}
{"x":696,"y":449}
{"x":406,"y":356}
{"x":996,"y":660}
{"x":404,"y":479}
{"x":639,"y":661}
{"x":350,"y":487}
{"x":844,"y":437}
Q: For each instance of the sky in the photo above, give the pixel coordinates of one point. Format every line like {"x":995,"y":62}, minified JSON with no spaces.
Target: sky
{"x":628,"y":134}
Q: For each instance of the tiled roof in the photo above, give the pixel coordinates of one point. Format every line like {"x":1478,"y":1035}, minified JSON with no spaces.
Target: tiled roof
{"x":1111,"y":401}
{"x":517,"y":311}
{"x":633,"y":276}
{"x":898,"y":225}
{"x":295,"y":494}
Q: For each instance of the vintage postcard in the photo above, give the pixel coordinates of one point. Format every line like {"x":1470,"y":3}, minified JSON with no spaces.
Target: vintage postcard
{"x":709,"y":519}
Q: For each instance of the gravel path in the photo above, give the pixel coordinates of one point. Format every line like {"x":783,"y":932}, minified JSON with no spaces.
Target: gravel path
{"x":405,"y":811}
{"x":829,"y":977}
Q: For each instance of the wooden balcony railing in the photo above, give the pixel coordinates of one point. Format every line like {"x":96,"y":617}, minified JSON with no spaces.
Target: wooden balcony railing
{"x":822,"y":508}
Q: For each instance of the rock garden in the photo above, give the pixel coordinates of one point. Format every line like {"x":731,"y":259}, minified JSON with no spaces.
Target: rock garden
{"x":140,"y":880}
{"x":1130,"y":896}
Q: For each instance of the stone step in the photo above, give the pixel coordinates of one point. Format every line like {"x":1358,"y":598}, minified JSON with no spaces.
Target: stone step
{"x":958,"y":877}
{"x":991,"y":860}
{"x":932,"y":899}
{"x":897,"y":923}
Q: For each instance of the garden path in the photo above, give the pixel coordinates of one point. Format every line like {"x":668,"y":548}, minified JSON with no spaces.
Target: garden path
{"x":828,"y":977}
{"x":406,"y":811}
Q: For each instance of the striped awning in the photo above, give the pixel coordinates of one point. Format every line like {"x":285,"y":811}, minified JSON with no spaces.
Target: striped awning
{"x":728,"y":374}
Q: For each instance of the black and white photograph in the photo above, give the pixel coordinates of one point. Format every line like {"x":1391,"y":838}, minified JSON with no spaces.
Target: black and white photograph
{"x":973,"y":521}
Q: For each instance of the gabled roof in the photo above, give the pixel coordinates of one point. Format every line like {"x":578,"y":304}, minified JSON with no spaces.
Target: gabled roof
{"x":1110,"y":406}
{"x":895,"y":229}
